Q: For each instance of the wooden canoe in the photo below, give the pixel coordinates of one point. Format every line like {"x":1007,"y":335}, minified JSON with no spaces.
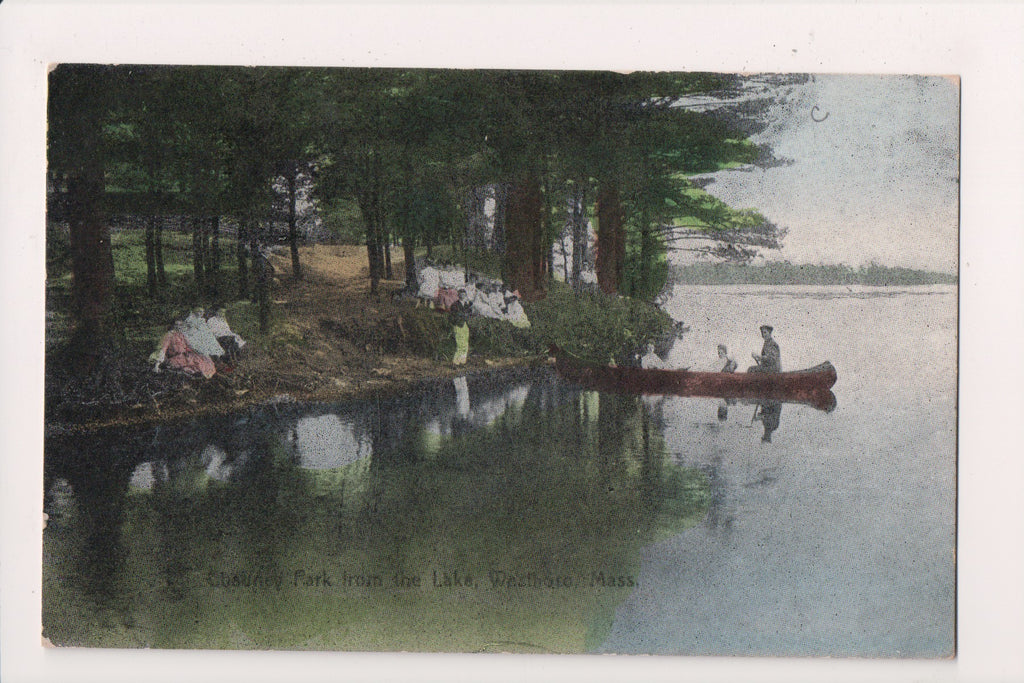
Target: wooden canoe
{"x":811,"y":386}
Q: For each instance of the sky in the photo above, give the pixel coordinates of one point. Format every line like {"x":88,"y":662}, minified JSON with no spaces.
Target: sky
{"x":876,"y":180}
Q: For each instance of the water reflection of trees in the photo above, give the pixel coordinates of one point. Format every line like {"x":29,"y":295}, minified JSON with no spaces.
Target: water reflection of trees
{"x":569,"y":483}
{"x":558,"y":481}
{"x":98,"y":478}
{"x":169,"y":528}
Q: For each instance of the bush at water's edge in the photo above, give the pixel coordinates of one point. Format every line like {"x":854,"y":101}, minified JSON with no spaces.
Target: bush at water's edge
{"x":595,"y":325}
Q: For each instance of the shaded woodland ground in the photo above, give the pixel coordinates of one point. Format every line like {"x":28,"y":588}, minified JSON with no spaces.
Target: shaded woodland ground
{"x":329,"y":339}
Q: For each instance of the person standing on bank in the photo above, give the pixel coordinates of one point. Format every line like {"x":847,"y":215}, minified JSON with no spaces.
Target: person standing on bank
{"x":458,"y":315}
{"x":770,"y":359}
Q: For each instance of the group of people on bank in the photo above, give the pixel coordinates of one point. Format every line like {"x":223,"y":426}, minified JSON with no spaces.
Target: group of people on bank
{"x":448,"y":290}
{"x":199,"y":344}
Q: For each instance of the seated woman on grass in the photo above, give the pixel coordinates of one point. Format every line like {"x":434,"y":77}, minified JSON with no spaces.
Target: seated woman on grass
{"x":228,"y":340}
{"x":176,"y":354}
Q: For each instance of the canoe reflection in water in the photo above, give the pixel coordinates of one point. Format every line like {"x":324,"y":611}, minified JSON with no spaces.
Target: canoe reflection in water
{"x":768,"y":412}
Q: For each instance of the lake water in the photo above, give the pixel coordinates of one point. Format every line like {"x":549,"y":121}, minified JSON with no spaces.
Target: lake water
{"x":838,"y":536}
{"x":513,"y":512}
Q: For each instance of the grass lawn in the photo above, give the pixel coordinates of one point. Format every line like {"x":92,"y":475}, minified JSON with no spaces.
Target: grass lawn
{"x":141,"y":318}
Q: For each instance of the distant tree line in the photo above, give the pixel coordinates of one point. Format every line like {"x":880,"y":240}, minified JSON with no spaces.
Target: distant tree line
{"x":786,"y":273}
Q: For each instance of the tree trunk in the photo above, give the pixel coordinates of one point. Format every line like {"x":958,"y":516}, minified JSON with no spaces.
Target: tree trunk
{"x":646,"y":256}
{"x":410,"y":264}
{"x":578,"y":217}
{"x":611,"y":238}
{"x":372,"y":248}
{"x":198,"y":260}
{"x":293,"y":230}
{"x":545,"y":239}
{"x":214,"y":272}
{"x":565,"y":258}
{"x":150,"y":256}
{"x":254,"y":259}
{"x":205,"y":236}
{"x":244,"y":228}
{"x":476,"y":223}
{"x":92,"y":260}
{"x":373,"y":253}
{"x":524,"y":262}
{"x":500,"y":213}
{"x":262,"y":274}
{"x":388,"y":271}
{"x":158,"y":255}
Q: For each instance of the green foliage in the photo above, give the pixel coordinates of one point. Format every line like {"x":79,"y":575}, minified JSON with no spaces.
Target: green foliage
{"x":642,"y":281}
{"x":342,"y":218}
{"x":492,"y":337}
{"x":696,"y":209}
{"x":428,"y":333}
{"x":737,"y":153}
{"x":129,"y":250}
{"x":786,"y":273}
{"x":139,"y":317}
{"x":424,"y":211}
{"x":394,"y":150}
{"x":594,"y":325}
{"x":590,"y":324}
{"x":487,"y":263}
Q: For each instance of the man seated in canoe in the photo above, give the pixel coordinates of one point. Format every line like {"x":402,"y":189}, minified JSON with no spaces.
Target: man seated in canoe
{"x":770,"y":359}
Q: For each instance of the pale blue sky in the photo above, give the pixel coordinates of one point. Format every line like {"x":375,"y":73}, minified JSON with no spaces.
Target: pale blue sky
{"x":875,"y":181}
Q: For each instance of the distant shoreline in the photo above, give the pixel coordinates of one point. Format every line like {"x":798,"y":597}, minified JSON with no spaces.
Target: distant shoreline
{"x":785,"y":273}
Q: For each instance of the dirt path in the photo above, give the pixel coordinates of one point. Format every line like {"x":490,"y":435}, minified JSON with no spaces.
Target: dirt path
{"x":344,"y":265}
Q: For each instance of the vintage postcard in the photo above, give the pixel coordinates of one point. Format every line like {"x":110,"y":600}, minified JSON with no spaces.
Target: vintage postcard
{"x":626,"y":342}
{"x":501,"y":361}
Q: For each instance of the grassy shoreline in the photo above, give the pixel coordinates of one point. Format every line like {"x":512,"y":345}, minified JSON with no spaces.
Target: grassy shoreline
{"x":329,"y":340}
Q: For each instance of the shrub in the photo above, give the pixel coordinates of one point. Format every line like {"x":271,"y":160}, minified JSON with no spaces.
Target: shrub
{"x":428,"y":333}
{"x":595,"y":325}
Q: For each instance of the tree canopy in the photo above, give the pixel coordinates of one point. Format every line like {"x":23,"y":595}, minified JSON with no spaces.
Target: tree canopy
{"x":405,"y":146}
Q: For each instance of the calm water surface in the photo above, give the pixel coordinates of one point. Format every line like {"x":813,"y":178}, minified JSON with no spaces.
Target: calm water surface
{"x":516,"y":513}
{"x":838,"y":537}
